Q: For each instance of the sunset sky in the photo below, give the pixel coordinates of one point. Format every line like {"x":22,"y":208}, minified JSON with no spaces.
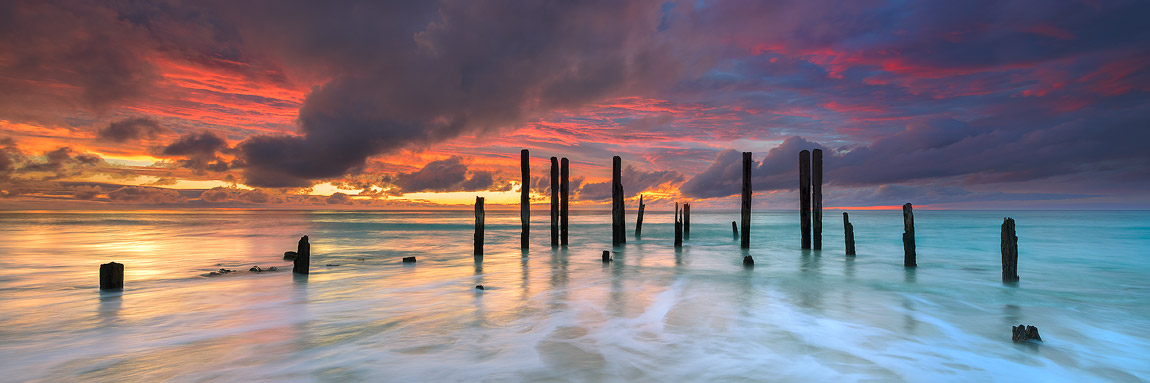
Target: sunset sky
{"x":1032,"y":104}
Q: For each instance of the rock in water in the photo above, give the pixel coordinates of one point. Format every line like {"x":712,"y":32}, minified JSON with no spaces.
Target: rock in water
{"x":479,"y":287}
{"x":290,"y":255}
{"x":748,"y":261}
{"x":408,"y":259}
{"x":1022,"y":333}
{"x":256,"y":269}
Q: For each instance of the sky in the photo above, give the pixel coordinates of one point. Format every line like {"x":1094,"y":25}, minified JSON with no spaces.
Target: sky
{"x":1012,"y":104}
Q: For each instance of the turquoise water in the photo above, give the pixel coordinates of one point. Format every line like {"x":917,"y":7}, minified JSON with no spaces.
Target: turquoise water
{"x":655,"y":315}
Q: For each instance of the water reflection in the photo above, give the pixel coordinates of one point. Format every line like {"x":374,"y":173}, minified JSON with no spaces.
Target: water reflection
{"x":110,"y":304}
{"x":745,"y":295}
{"x":525,"y":277}
{"x":909,"y":322}
{"x":617,"y":301}
{"x":810,"y":292}
{"x":558,"y":279}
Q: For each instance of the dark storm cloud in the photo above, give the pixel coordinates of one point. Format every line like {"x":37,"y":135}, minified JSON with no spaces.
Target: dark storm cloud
{"x":338,"y":199}
{"x":982,"y":152}
{"x":140,"y":194}
{"x":199,"y":151}
{"x":61,"y":162}
{"x":77,"y":43}
{"x":445,"y":175}
{"x":635,"y":182}
{"x":195,"y":144}
{"x":223,"y":195}
{"x":86,"y":192}
{"x":471,"y":66}
{"x":130,"y":129}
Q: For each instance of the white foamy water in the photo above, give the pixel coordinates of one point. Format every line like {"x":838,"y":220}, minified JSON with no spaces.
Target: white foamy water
{"x":653,"y":315}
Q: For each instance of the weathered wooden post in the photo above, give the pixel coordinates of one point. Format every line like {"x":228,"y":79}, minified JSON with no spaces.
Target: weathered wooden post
{"x":302,"y":263}
{"x":805,"y":197}
{"x":478,"y":226}
{"x":746,"y":208}
{"x":678,"y":227}
{"x":554,"y":202}
{"x":817,"y":198}
{"x":639,"y":220}
{"x":735,"y":230}
{"x":564,"y":188}
{"x":112,"y":276}
{"x":1009,"y":251}
{"x":618,"y":236}
{"x":686,"y":222}
{"x":606,"y":256}
{"x":849,"y":234}
{"x":525,"y":200}
{"x":909,"y":258}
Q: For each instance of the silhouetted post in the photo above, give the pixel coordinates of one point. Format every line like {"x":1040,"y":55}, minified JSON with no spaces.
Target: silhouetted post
{"x":678,"y":227}
{"x":817,"y":198}
{"x":639,"y":220}
{"x":618,"y":230}
{"x":302,"y":263}
{"x":111,"y":276}
{"x":735,"y":230}
{"x":909,"y":258}
{"x":564,"y":188}
{"x":849,"y":234}
{"x":525,"y":199}
{"x":805,"y":197}
{"x":1009,"y":251}
{"x":687,"y":222}
{"x":746,"y":209}
{"x":554,"y":202}
{"x":479,"y":225}
{"x":606,"y":256}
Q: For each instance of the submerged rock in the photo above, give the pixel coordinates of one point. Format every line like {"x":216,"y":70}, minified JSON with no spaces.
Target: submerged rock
{"x":290,"y":255}
{"x":1023,"y":333}
{"x":220,"y":272}
{"x":748,"y":261}
{"x":256,"y":269}
{"x":479,"y":287}
{"x":408,"y":259}
{"x":273,"y":268}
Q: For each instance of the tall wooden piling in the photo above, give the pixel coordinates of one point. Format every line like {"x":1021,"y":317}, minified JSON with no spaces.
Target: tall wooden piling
{"x":479,"y":215}
{"x":564,"y":188}
{"x":909,"y":258}
{"x":1009,"y":251}
{"x":525,"y":200}
{"x":686,"y":222}
{"x":817,"y":199}
{"x":746,"y":208}
{"x":554,"y":202}
{"x":735,"y":230}
{"x":302,"y":262}
{"x":111,"y":276}
{"x":849,"y":234}
{"x":805,"y":197}
{"x":639,"y":219}
{"x":618,"y":236}
{"x":678,"y":226}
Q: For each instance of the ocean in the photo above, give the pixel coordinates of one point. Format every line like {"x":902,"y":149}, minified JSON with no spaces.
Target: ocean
{"x":655,"y":314}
